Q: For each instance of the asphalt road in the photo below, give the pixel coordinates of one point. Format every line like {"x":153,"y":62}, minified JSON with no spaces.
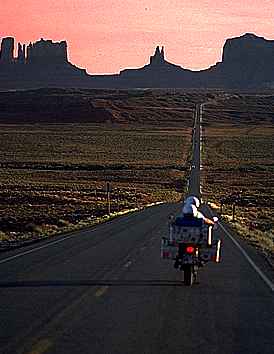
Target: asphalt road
{"x":194,"y":180}
{"x":107,"y":291}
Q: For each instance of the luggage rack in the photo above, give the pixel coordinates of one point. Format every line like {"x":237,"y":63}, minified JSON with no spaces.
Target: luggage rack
{"x":193,"y":231}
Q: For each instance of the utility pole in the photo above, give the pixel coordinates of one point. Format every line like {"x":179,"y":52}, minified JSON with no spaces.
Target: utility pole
{"x":233,"y":211}
{"x":108,"y":189}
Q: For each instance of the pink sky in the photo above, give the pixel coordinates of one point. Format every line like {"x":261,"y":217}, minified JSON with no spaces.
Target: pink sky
{"x":105,"y":36}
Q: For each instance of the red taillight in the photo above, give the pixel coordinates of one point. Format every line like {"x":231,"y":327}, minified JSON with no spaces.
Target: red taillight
{"x":190,"y":249}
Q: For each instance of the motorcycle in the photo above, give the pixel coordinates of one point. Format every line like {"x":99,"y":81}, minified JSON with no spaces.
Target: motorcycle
{"x":191,"y":244}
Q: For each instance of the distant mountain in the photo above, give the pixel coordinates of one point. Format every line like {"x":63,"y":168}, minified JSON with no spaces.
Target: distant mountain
{"x":39,"y":64}
{"x":247,"y":63}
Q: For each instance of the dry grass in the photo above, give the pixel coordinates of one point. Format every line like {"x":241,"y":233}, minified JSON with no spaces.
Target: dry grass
{"x":53,"y":177}
{"x":238,"y":163}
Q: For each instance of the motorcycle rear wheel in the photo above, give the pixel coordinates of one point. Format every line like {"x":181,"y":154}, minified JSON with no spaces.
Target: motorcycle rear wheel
{"x":189,"y":275}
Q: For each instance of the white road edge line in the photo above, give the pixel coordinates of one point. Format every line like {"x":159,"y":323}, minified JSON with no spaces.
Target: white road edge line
{"x":63,"y":239}
{"x":256,"y":268}
{"x":34,"y":249}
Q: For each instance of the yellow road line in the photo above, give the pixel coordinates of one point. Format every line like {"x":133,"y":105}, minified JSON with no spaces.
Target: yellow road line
{"x":41,"y":347}
{"x":101,"y":291}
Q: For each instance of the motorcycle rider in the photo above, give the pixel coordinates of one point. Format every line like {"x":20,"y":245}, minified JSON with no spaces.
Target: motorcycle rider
{"x":192,"y":200}
{"x":190,"y":210}
{"x":190,"y":213}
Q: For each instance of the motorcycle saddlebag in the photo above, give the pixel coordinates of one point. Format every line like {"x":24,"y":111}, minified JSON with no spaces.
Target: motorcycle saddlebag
{"x":212,"y":253}
{"x":169,"y":250}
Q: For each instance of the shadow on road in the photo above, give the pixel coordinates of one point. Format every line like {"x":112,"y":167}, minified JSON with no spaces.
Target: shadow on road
{"x":57,"y":283}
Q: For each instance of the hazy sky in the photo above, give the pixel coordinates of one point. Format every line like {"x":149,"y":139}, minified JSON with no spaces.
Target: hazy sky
{"x":105,"y":36}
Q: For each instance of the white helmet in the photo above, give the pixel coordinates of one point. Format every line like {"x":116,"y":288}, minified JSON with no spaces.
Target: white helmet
{"x":190,"y":209}
{"x":193,"y":201}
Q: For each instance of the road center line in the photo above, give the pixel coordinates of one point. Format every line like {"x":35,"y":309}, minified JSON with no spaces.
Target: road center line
{"x":250,"y":261}
{"x":101,"y":291}
{"x":128,"y":264}
{"x":41,"y":347}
